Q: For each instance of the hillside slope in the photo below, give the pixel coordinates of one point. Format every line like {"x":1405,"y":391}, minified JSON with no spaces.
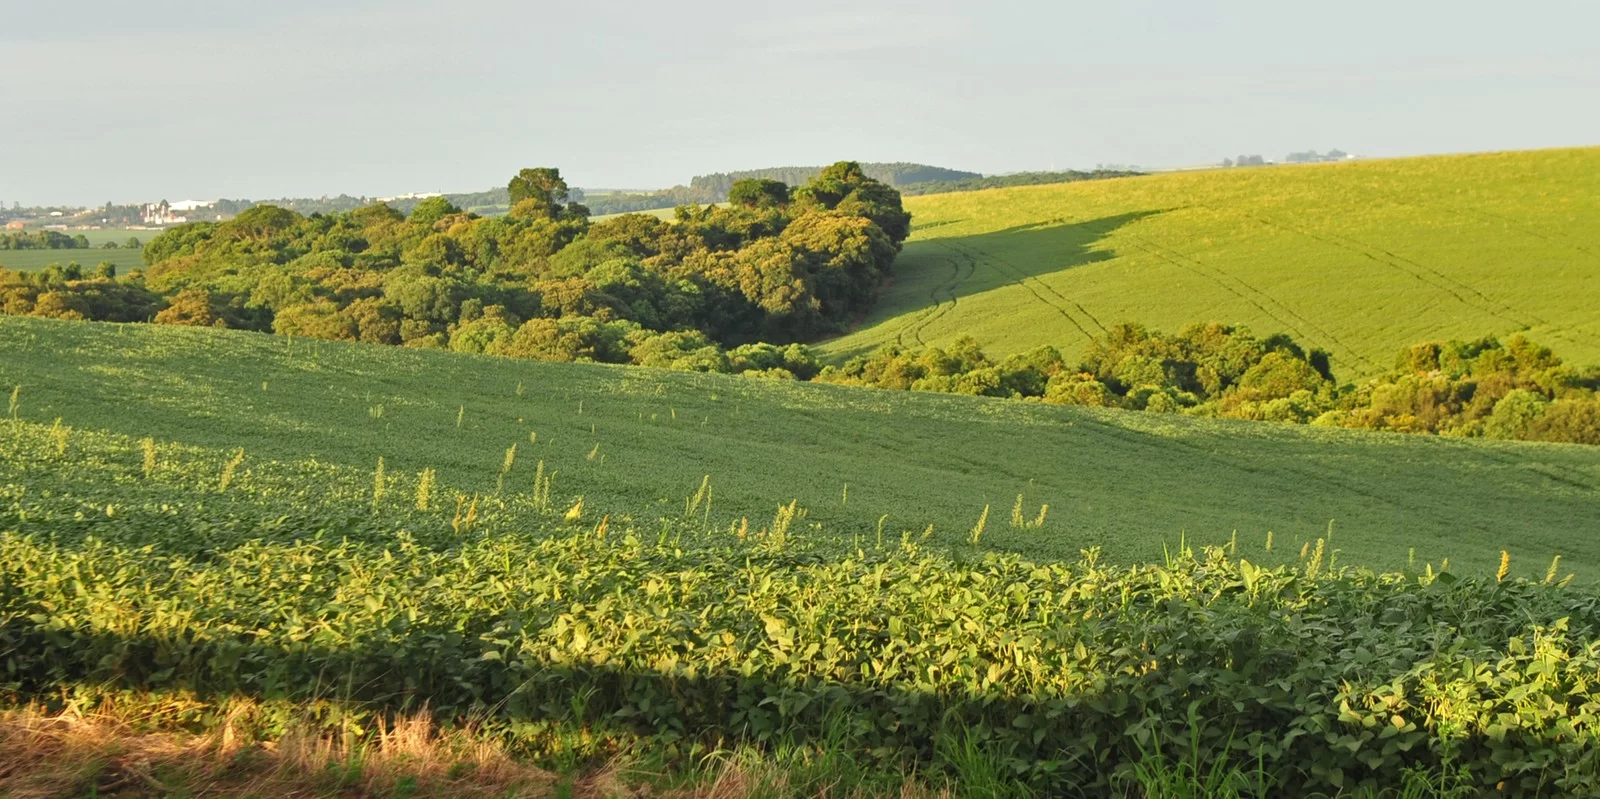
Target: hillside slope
{"x":638,"y":442}
{"x":1361,"y":258}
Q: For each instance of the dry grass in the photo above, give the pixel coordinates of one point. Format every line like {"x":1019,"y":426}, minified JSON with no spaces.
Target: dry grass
{"x":101,"y":754}
{"x":111,"y":754}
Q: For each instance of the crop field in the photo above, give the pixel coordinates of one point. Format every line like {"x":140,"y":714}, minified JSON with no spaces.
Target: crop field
{"x":638,"y":443}
{"x":32,"y":260}
{"x":124,"y":259}
{"x":229,"y":530}
{"x":1362,"y":258}
{"x":659,"y":213}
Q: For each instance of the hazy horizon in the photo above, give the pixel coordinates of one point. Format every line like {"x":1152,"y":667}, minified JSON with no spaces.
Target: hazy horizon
{"x":191,"y":100}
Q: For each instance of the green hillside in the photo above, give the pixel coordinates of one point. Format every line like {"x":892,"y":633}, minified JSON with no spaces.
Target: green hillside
{"x":1359,"y":258}
{"x":637,"y":443}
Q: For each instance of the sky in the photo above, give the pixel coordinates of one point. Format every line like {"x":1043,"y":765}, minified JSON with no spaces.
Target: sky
{"x":109,"y":100}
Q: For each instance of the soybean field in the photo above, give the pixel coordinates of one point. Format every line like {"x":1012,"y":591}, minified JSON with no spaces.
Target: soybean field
{"x":990,"y":475}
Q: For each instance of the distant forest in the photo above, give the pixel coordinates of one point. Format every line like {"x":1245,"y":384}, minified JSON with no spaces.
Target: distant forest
{"x":1015,"y":179}
{"x":911,"y":179}
{"x":714,"y":188}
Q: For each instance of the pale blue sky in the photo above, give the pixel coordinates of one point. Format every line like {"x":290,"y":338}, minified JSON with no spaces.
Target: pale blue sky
{"x":123,"y":101}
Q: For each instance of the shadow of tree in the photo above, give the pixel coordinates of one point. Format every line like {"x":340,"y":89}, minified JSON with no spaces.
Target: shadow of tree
{"x":933,"y":275}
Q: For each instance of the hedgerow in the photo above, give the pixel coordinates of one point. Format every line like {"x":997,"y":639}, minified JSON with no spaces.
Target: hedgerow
{"x":1483,"y":388}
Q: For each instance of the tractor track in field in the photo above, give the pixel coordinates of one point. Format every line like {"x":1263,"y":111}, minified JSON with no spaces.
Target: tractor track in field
{"x":1511,"y":222}
{"x":1541,"y":471}
{"x":1023,"y":276}
{"x":1032,"y":284}
{"x":1461,"y":291}
{"x":941,"y":306}
{"x":1242,"y":464}
{"x":1221,"y":278}
{"x":1525,"y":230}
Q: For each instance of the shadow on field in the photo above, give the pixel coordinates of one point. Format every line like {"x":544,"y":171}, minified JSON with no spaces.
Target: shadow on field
{"x":549,"y":703}
{"x":1078,"y":742}
{"x":935,"y":274}
{"x":1019,"y":253}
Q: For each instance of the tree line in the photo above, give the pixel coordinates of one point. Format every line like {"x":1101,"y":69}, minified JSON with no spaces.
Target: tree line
{"x":716,"y":187}
{"x":43,"y":240}
{"x":717,"y":289}
{"x":56,"y":240}
{"x":979,"y":182}
{"x":1483,"y":388}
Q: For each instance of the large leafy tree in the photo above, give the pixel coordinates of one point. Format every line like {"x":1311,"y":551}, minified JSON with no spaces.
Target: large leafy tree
{"x":541,"y":192}
{"x":759,"y":193}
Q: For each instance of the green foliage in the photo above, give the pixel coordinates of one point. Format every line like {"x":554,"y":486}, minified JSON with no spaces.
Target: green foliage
{"x":1481,"y":388}
{"x":759,"y":193}
{"x":719,"y":186}
{"x":1515,"y":390}
{"x":540,"y":192}
{"x":42,"y":240}
{"x":672,"y":635}
{"x":66,"y":293}
{"x":537,"y":283}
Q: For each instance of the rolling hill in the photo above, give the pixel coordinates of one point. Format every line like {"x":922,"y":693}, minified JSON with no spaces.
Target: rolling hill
{"x":1359,"y":258}
{"x":637,"y":444}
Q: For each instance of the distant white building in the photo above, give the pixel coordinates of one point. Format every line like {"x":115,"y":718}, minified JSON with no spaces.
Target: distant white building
{"x":161,"y":213}
{"x":186,"y":206}
{"x":418,"y":195}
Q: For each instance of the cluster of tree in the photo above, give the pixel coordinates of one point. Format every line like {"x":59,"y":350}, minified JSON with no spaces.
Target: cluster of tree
{"x":56,"y":240}
{"x":1015,"y":179}
{"x":1312,"y":157}
{"x":715,"y":188}
{"x":1511,"y":390}
{"x":717,"y":185}
{"x":1245,"y":160}
{"x":910,"y":179}
{"x":113,"y":215}
{"x":20,"y":211}
{"x":43,"y":240}
{"x":702,"y":190}
{"x":489,"y":202}
{"x":1209,"y":369}
{"x":703,"y":291}
{"x":65,"y":292}
{"x":632,"y":202}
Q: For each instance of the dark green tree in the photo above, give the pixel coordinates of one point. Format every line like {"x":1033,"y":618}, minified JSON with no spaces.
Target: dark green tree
{"x":759,"y":193}
{"x":541,"y":186}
